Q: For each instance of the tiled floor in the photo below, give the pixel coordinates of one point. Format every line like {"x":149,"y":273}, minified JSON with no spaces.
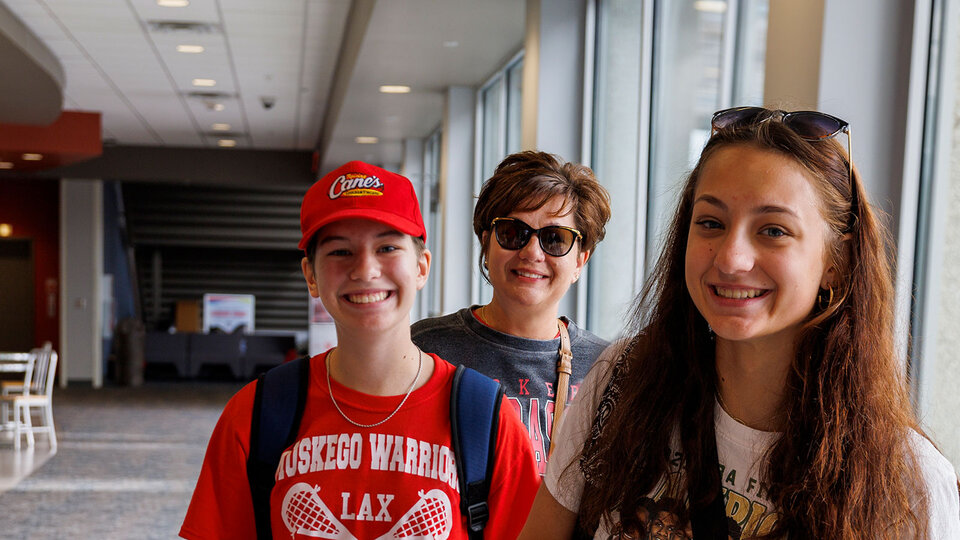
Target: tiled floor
{"x":125,"y":467}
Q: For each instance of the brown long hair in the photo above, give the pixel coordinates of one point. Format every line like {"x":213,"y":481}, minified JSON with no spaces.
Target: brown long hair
{"x":842,"y":468}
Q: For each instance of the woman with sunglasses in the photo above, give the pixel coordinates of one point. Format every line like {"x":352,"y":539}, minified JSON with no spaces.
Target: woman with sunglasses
{"x":761,"y":386}
{"x":538,"y":220}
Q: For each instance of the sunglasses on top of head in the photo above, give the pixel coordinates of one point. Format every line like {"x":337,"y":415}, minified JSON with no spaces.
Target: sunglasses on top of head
{"x":809,"y":125}
{"x":513,"y":234}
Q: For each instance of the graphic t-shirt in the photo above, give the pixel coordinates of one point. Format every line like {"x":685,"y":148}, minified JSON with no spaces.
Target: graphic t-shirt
{"x":527,"y":368}
{"x":740,"y":451}
{"x":395,"y":480}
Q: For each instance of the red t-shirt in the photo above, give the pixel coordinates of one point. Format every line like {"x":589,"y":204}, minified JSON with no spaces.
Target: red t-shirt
{"x":395,"y":480}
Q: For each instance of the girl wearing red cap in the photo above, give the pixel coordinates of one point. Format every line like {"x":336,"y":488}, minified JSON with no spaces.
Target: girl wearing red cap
{"x":372,"y":456}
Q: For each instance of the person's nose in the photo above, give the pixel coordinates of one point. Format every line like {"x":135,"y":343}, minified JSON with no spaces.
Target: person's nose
{"x":532,"y":250}
{"x":366,"y":267}
{"x":735,"y":254}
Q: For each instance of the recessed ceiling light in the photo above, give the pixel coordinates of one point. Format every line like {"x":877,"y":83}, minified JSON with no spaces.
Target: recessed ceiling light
{"x":710,"y":6}
{"x":6,"y":229}
{"x":190,"y":49}
{"x":6,"y":165}
{"x":173,"y":3}
{"x":226,"y":143}
{"x":394,"y":89}
{"x":367,"y":140}
{"x":32,"y":157}
{"x":221,"y":127}
{"x":204,"y":82}
{"x":216,"y":106}
{"x":451,"y":44}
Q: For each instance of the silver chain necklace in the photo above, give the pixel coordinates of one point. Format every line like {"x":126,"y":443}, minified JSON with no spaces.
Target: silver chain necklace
{"x":395,"y":411}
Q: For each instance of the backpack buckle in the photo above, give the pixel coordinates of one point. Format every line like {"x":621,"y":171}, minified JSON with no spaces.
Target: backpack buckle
{"x":477,"y":515}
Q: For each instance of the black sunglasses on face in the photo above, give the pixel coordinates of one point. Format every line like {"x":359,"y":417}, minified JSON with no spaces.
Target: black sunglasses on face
{"x":513,"y":234}
{"x":809,"y":125}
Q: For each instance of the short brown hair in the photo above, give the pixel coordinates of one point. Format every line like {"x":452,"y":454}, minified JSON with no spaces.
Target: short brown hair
{"x":527,"y":180}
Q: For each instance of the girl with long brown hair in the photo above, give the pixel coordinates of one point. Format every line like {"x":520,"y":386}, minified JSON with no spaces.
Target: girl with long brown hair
{"x":763,"y":348}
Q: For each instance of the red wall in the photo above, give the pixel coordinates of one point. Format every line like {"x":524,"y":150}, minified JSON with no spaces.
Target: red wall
{"x":32,"y":207}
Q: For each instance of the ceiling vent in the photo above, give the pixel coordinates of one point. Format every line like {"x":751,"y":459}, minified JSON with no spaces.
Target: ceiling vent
{"x":183,"y":27}
{"x":224,"y":134}
{"x":199,"y":94}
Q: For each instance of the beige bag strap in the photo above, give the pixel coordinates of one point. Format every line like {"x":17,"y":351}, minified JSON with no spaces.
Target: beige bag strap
{"x":564,"y":369}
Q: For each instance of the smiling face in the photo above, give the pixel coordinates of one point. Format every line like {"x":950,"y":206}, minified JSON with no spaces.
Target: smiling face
{"x":529,"y":279}
{"x":366,"y":274}
{"x":757,"y":245}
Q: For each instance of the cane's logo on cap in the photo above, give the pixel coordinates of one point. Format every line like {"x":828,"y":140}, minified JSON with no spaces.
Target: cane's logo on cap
{"x":355,"y":185}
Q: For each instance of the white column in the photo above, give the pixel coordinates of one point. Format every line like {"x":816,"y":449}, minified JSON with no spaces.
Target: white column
{"x":792,"y":62}
{"x":81,"y":268}
{"x":863,"y":60}
{"x":553,"y":77}
{"x":456,"y":270}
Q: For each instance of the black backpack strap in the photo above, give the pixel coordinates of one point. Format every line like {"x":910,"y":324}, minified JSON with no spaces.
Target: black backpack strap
{"x":474,"y":420}
{"x":277,"y":409}
{"x":711,"y":521}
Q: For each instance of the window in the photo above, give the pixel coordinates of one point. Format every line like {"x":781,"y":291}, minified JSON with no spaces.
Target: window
{"x":935,"y":313}
{"x":430,"y":296}
{"x":661,"y":69}
{"x":615,"y":271}
{"x":498,"y":135}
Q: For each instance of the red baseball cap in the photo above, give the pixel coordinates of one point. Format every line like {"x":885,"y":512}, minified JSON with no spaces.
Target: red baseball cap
{"x":360,"y":190}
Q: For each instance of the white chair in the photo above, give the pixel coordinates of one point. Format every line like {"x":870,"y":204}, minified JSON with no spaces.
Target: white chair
{"x":38,"y":394}
{"x":32,"y":379}
{"x":16,"y":386}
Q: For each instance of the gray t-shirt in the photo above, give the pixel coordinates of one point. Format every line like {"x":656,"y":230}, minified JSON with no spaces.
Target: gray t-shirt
{"x":527,"y":368}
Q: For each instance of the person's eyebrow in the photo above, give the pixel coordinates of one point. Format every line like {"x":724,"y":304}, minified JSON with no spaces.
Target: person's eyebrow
{"x":763,"y":209}
{"x":327,"y":239}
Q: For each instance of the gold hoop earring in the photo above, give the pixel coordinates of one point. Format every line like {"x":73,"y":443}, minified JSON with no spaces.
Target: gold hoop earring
{"x":829,"y":297}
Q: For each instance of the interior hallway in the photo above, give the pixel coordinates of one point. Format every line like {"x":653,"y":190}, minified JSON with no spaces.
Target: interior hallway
{"x":125,"y":466}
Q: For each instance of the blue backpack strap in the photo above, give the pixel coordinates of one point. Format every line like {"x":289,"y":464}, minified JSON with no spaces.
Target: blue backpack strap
{"x":277,"y":409}
{"x":474,"y":419}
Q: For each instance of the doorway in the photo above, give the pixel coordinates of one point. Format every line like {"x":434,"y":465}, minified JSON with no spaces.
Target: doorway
{"x":16,"y":294}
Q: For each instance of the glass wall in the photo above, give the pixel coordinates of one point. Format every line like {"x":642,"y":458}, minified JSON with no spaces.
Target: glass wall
{"x":661,"y":69}
{"x":751,"y":53}
{"x":620,"y":107}
{"x":430,"y":296}
{"x":498,"y":134}
{"x":936,"y":302}
{"x":687,"y":67}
